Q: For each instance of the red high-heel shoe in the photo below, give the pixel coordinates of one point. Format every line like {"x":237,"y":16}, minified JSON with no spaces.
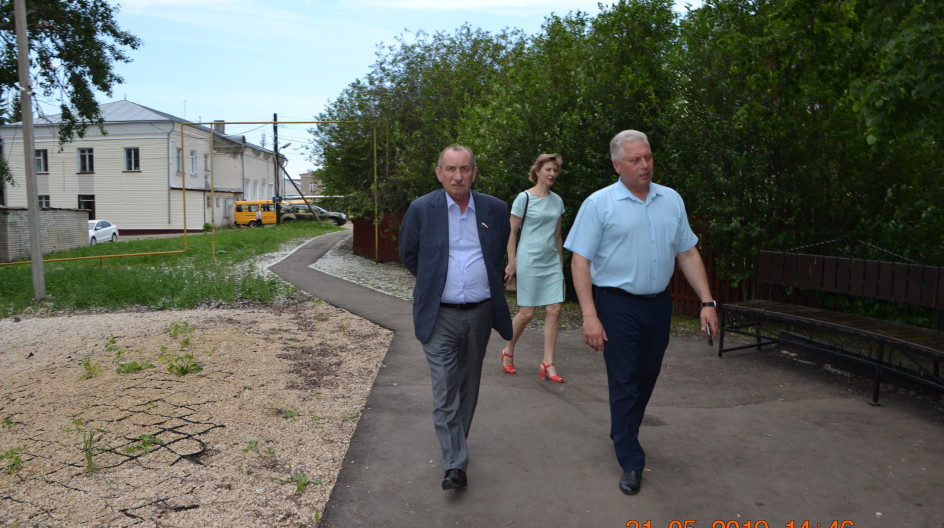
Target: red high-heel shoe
{"x":509,"y":369}
{"x":543,"y":372}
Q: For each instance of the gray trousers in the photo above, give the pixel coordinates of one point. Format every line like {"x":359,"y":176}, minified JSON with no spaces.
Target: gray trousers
{"x":455,"y":352}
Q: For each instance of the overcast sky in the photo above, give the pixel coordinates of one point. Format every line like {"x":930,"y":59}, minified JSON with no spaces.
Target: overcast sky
{"x":245,"y":60}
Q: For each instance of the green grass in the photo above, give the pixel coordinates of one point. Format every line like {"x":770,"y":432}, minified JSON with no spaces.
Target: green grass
{"x":175,"y":281}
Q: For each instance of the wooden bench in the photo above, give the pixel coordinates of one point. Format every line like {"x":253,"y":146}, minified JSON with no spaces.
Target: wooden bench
{"x":777,"y":317}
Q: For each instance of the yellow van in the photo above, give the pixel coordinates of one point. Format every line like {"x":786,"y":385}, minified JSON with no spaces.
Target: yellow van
{"x":246,"y":213}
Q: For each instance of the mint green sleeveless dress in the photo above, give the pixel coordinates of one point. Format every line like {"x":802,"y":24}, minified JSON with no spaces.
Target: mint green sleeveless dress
{"x":538,"y":265}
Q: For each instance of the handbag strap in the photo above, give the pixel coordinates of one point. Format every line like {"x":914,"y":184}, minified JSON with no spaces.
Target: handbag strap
{"x":527,"y":198}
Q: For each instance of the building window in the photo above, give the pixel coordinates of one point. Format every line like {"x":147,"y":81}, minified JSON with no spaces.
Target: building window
{"x":44,"y":201}
{"x":86,"y":160}
{"x":193,"y":162}
{"x":206,"y":162}
{"x":132,"y":159}
{"x":180,"y":161}
{"x":312,"y":187}
{"x":42,"y":160}
{"x":87,"y":201}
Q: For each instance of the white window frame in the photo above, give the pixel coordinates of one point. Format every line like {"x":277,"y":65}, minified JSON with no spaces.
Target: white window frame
{"x":86,"y":161}
{"x":132,"y":159}
{"x":180,"y":160}
{"x":193,"y":162}
{"x":41,"y":160}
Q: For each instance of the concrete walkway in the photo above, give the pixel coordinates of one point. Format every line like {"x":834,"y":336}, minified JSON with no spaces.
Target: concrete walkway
{"x":751,"y":440}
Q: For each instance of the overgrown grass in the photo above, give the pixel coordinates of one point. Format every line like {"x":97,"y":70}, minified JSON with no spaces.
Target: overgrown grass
{"x":174,"y":281}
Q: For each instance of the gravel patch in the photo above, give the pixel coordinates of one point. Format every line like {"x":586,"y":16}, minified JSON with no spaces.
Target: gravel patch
{"x":386,"y":277}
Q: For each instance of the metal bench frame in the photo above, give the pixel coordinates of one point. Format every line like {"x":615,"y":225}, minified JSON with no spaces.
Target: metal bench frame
{"x":903,"y":350}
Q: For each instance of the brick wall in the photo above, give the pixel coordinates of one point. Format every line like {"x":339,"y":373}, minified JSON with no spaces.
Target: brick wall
{"x":61,"y":229}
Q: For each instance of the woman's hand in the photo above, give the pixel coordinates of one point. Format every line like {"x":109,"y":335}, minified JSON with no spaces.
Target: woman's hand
{"x":509,"y":271}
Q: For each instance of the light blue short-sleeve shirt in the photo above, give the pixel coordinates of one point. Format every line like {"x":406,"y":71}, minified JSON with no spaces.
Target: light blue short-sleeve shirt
{"x":631,"y":244}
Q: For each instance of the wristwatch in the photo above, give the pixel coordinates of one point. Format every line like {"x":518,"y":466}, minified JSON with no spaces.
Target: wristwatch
{"x":713,"y":304}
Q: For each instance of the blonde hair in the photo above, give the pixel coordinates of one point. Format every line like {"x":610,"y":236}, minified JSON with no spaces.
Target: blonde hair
{"x":542,"y":159}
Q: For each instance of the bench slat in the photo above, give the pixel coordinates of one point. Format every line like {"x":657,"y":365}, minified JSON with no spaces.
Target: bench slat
{"x":829,"y":273}
{"x":842,"y":279}
{"x":816,"y":272}
{"x":803,"y":271}
{"x":915,"y":274}
{"x":928,"y":291}
{"x":900,"y":286}
{"x":857,"y":281}
{"x":900,"y":334}
{"x":776,"y":269}
{"x":885,"y":281}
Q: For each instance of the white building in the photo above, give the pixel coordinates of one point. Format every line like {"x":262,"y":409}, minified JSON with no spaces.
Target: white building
{"x":142,"y":172}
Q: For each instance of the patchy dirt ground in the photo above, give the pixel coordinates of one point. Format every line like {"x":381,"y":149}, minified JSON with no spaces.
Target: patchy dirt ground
{"x":253,"y":433}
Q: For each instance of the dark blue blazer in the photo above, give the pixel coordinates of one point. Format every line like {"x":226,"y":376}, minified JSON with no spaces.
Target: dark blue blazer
{"x":424,"y":250}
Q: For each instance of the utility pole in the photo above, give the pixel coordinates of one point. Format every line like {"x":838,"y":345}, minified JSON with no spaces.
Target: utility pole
{"x":278,"y":174}
{"x":29,"y":154}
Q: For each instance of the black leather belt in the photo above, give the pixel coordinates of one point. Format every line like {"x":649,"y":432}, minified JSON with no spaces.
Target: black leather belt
{"x":624,"y":293}
{"x":463,"y":306}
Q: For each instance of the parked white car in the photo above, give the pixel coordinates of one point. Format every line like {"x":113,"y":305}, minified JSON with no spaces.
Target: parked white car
{"x":102,"y":231}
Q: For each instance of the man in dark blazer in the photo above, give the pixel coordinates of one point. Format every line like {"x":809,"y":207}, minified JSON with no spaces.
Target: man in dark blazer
{"x":453,"y":241}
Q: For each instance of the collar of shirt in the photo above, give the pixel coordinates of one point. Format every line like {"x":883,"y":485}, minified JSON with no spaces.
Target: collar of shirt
{"x":466,"y":276}
{"x":623,"y":193}
{"x":451,"y":205}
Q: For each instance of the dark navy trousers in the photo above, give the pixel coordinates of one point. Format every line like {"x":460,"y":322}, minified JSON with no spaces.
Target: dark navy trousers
{"x":637,"y":331}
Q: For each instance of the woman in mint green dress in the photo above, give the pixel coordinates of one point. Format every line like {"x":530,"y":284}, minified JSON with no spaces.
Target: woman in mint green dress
{"x":536,"y":261}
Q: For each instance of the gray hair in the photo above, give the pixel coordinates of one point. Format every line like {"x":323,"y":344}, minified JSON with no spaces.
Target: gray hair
{"x":626,"y":136}
{"x":455,"y":147}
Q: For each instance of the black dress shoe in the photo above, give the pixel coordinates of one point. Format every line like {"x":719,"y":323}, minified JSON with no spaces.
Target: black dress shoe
{"x":455,"y":479}
{"x":629,"y":484}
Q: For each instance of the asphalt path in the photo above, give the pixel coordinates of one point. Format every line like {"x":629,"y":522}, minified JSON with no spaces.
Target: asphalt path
{"x":754,"y":440}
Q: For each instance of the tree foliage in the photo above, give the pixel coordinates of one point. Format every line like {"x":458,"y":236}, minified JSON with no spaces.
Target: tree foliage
{"x":74,"y":45}
{"x":783,"y":123}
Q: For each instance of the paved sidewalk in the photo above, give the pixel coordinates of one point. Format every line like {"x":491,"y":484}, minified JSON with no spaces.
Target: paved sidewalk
{"x":751,"y":440}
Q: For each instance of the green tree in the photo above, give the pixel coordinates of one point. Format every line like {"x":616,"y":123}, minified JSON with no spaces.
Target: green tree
{"x":73,"y":48}
{"x":74,"y":45}
{"x":578,"y":83}
{"x":900,"y":91}
{"x":763,"y":143}
{"x":416,"y":94}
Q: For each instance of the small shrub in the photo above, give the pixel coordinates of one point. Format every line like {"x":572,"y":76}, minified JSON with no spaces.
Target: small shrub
{"x":11,"y":460}
{"x":285,"y":413}
{"x":131,"y":366}
{"x":182,"y":365}
{"x":90,"y":438}
{"x":89,"y":369}
{"x":145,"y":445}
{"x":301,"y":482}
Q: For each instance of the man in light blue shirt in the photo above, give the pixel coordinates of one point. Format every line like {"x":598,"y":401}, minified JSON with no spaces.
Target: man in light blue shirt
{"x":625,"y":239}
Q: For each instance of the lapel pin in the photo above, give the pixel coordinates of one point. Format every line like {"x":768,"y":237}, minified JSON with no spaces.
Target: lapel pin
{"x":484,"y":225}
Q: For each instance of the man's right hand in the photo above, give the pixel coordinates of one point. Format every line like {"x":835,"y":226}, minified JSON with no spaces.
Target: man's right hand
{"x":593,"y":333}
